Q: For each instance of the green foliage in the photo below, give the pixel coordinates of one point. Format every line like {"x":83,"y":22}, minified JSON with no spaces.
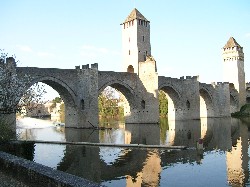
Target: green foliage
{"x":163,"y":104}
{"x":108,"y":104}
{"x":244,"y":112}
{"x":6,"y":131}
{"x":54,"y":101}
{"x":164,"y":128}
{"x":62,"y":113}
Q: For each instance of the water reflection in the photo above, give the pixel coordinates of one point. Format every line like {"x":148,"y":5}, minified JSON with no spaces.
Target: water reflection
{"x":237,"y":157}
{"x":223,"y":162}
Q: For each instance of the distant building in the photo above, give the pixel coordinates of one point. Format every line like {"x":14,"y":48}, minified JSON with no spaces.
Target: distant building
{"x":36,"y":110}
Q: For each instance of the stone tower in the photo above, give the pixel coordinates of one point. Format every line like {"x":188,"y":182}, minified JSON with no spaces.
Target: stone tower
{"x":135,"y":41}
{"x":233,"y":57}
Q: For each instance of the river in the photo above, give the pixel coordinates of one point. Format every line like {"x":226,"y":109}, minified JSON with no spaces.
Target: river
{"x":223,"y":162}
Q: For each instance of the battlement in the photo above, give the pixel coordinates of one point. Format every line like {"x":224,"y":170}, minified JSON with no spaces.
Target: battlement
{"x":88,"y":66}
{"x":216,"y":84}
{"x":190,"y":78}
{"x":235,"y":48}
{"x":9,"y":63}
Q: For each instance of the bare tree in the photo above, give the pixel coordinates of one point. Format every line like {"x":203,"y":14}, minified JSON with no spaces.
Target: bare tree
{"x":16,"y":93}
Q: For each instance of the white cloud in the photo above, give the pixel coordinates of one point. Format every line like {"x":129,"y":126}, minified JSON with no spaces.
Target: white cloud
{"x":45,"y":54}
{"x":24,"y":48}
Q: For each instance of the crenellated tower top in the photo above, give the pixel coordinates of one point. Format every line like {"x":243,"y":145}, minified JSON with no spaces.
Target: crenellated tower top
{"x":232,"y":51}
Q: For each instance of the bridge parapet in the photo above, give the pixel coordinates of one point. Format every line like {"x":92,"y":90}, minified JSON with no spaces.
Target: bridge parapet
{"x":190,"y":77}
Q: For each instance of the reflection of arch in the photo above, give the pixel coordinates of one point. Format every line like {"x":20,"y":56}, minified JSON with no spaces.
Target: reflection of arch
{"x":130,"y":69}
{"x":173,"y":100}
{"x":206,"y":103}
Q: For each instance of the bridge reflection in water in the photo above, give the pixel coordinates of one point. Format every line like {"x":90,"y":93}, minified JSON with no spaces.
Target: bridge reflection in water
{"x":223,"y":162}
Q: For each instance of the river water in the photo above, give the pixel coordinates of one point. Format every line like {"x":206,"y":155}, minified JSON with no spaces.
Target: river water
{"x":223,"y":162}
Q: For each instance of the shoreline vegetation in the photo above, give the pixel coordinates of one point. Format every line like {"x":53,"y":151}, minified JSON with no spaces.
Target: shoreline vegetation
{"x":244,"y":112}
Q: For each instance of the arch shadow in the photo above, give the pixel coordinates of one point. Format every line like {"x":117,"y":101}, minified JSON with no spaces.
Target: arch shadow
{"x":174,"y":98}
{"x":206,"y":103}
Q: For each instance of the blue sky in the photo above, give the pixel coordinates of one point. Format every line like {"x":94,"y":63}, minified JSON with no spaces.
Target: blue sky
{"x":186,"y":36}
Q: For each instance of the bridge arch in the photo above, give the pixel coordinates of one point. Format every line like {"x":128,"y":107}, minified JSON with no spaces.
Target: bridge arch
{"x":234,"y":104}
{"x":206,"y":103}
{"x":65,"y":92}
{"x":130,"y":101}
{"x":174,"y":98}
{"x":60,"y":86}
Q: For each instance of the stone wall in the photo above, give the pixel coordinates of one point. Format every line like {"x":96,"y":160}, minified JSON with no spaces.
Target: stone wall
{"x":38,"y":175}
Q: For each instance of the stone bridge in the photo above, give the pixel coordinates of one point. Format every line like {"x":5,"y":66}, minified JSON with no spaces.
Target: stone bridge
{"x":80,"y":88}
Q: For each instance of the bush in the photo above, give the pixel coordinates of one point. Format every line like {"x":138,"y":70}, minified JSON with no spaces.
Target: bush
{"x":6,"y":131}
{"x":244,"y":112}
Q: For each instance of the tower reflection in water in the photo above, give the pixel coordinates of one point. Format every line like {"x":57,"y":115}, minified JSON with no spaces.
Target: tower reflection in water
{"x":140,"y":167}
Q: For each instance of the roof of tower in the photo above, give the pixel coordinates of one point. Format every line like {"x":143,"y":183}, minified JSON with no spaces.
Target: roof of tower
{"x":231,"y":43}
{"x":135,"y":14}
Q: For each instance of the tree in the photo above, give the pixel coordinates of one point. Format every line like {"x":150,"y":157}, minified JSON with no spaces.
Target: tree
{"x":163,"y":104}
{"x":16,"y":93}
{"x":108,"y":103}
{"x":54,"y":101}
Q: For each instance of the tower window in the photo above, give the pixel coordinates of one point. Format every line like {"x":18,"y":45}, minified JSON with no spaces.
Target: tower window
{"x":129,"y":39}
{"x":188,"y":104}
{"x":143,"y":104}
{"x":82,"y":104}
{"x":124,"y":26}
{"x":128,"y":52}
{"x":143,"y":38}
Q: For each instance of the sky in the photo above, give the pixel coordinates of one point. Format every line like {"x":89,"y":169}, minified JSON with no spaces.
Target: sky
{"x":186,"y":36}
